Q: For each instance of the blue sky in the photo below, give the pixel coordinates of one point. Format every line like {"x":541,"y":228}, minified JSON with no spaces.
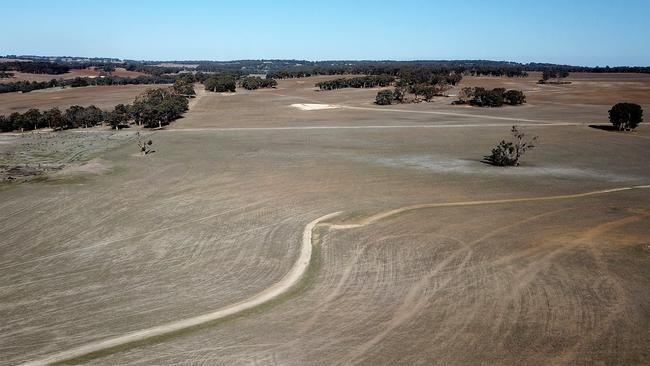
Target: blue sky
{"x":578,"y":32}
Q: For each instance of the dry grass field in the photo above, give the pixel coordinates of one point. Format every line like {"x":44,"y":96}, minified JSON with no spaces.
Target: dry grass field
{"x":505,"y":266}
{"x":105,"y":97}
{"x":89,"y":72}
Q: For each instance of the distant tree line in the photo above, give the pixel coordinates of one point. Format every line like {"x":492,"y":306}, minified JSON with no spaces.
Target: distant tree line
{"x":278,"y":69}
{"x":256,"y":82}
{"x":511,"y":72}
{"x":412,"y":76}
{"x":35,"y":67}
{"x":300,"y":68}
{"x":371,"y":81}
{"x":497,"y":97}
{"x":597,"y":69}
{"x":153,"y":108}
{"x":74,"y":117}
{"x":27,"y":86}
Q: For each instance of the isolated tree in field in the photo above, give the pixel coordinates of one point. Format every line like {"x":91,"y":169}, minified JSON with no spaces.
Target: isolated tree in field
{"x":510,"y":153}
{"x":384,"y":97}
{"x":626,"y":116}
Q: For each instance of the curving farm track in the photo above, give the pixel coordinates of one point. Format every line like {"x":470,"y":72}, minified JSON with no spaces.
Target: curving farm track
{"x":510,"y":266}
{"x":301,"y":266}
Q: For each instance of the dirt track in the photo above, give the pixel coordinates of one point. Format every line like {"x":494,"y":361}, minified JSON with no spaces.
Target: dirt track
{"x":277,"y":289}
{"x":90,"y":258}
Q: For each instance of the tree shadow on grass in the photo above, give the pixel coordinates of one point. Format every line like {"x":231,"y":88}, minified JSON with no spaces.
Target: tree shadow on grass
{"x":605,"y":127}
{"x":611,"y":128}
{"x":489,"y":160}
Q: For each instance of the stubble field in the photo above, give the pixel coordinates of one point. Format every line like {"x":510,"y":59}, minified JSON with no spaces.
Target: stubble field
{"x":517,"y":268}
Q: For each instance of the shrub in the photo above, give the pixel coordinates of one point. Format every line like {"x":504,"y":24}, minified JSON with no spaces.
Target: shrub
{"x":384,"y":97}
{"x":626,"y":116}
{"x":510,"y":153}
{"x":256,"y":82}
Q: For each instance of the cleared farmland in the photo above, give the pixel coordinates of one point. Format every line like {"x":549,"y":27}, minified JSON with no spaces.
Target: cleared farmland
{"x":105,"y":97}
{"x":216,"y":216}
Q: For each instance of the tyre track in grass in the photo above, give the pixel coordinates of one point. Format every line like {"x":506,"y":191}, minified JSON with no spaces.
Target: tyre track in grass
{"x":289,"y":280}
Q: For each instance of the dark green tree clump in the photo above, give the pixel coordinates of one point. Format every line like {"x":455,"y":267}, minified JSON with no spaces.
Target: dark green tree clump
{"x":427,"y":91}
{"x":371,"y":81}
{"x":256,"y":82}
{"x":514,"y":97}
{"x":119,"y":117}
{"x":386,"y":96}
{"x":481,"y":97}
{"x":158,"y":107}
{"x":154,"y":108}
{"x":220,"y":83}
{"x":549,"y":74}
{"x":35,"y":67}
{"x":184,"y":87}
{"x":626,"y":116}
{"x":510,"y":153}
{"x":74,"y":117}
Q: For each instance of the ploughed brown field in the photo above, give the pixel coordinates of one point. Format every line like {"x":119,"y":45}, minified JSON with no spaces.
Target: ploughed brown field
{"x":545,"y":263}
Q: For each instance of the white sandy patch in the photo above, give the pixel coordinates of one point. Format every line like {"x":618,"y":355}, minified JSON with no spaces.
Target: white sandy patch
{"x":314,"y":106}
